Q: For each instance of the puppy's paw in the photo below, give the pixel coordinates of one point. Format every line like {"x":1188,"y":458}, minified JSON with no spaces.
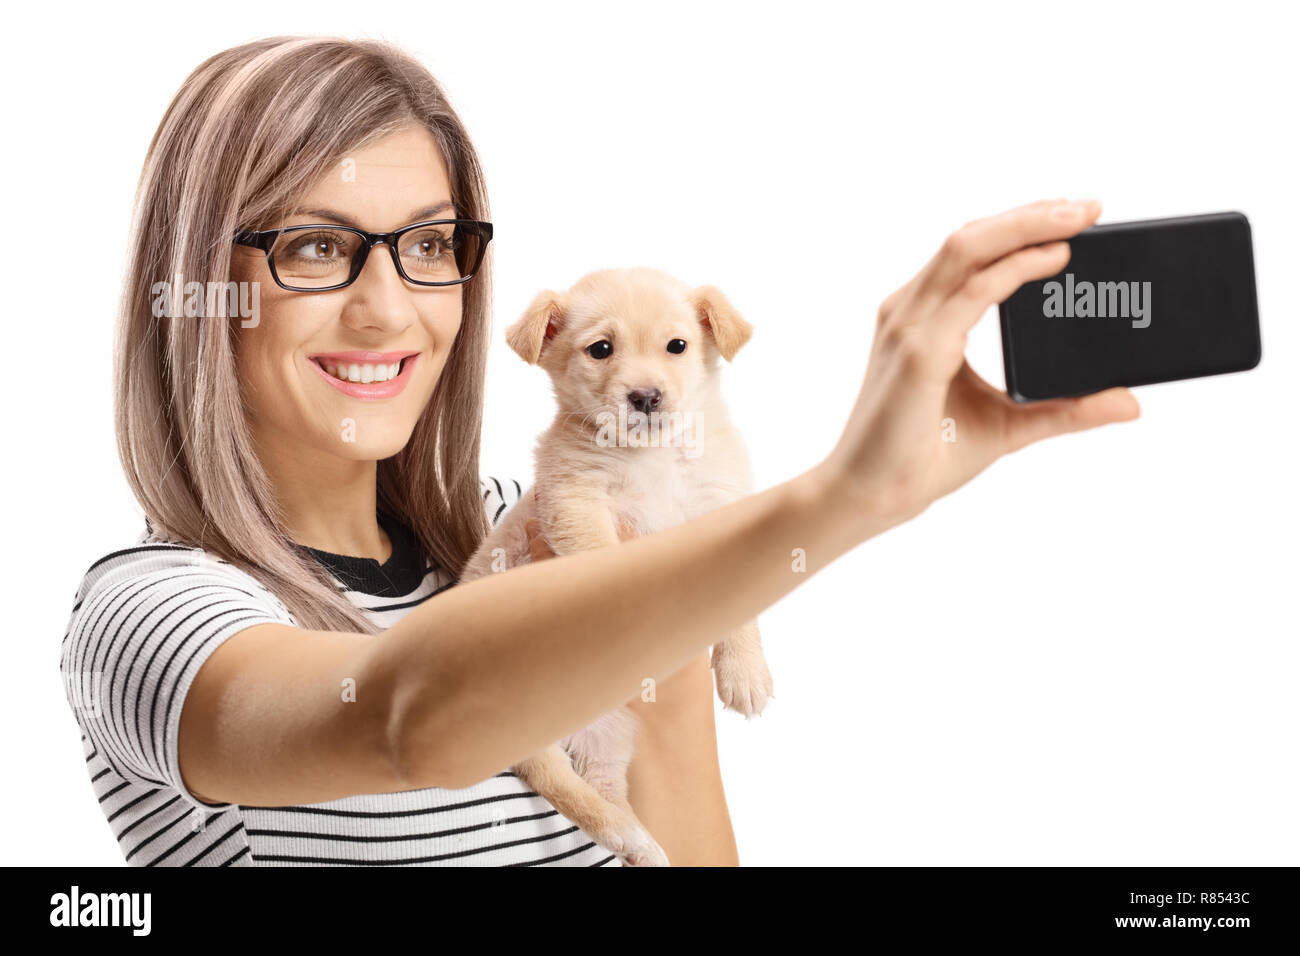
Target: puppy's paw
{"x":645,"y":852}
{"x":624,"y":836}
{"x":743,"y":680}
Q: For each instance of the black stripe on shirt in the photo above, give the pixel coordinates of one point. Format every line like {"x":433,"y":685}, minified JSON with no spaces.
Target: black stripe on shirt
{"x":454,"y":855}
{"x":400,"y":837}
{"x":394,"y":814}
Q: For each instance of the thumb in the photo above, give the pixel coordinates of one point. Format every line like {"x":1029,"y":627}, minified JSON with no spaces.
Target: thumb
{"x":1034,"y":422}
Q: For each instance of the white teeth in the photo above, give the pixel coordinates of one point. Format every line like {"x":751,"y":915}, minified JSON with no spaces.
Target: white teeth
{"x":364,"y":374}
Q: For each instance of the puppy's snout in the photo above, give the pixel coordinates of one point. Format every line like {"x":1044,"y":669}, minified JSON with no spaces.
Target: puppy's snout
{"x":645,"y":399}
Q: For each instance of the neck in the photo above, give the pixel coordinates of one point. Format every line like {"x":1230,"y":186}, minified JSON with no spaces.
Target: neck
{"x":328,"y":502}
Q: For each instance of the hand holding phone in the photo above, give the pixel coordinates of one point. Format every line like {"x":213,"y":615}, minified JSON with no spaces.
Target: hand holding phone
{"x":1138,"y":303}
{"x":924,"y":422}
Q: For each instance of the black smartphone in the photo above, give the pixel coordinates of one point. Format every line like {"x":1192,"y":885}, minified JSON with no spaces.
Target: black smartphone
{"x":1138,"y":303}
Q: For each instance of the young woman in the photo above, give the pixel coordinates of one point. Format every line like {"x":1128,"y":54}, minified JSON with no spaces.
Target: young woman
{"x":279,"y":671}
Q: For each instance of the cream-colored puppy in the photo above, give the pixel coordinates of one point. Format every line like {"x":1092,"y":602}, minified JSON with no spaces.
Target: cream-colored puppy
{"x":641,"y":441}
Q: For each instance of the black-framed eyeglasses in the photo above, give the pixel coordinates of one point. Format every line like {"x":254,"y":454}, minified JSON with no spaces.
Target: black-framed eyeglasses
{"x":318,"y":258}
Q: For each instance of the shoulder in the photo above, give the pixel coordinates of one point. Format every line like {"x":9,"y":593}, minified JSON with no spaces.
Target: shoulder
{"x":499,"y":495}
{"x":153,"y":567}
{"x":144,"y":621}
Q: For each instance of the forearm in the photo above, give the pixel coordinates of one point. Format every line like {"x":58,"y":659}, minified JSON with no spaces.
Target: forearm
{"x":495,"y":669}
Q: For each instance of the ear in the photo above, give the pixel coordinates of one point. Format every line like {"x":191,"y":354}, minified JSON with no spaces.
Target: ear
{"x":723,"y":322}
{"x":544,"y":317}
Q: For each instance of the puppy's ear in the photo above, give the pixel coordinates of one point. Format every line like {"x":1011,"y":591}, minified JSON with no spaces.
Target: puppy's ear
{"x":543,"y":318}
{"x":720,"y":318}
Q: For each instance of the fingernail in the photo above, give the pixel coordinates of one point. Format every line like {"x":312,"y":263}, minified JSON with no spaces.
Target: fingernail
{"x":1069,"y":210}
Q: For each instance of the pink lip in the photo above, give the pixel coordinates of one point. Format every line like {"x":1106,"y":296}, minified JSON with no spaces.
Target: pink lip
{"x":373,"y":390}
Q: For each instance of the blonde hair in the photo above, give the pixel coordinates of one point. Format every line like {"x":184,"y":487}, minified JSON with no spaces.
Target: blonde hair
{"x":248,"y":133}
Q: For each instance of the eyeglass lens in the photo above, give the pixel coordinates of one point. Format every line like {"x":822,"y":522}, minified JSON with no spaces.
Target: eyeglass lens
{"x":319,"y":257}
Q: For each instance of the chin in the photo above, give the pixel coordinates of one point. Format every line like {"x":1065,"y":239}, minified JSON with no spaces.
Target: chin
{"x":354,"y":444}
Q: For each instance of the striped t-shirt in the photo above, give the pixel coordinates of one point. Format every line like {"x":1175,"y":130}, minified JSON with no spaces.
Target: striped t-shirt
{"x":144,"y":621}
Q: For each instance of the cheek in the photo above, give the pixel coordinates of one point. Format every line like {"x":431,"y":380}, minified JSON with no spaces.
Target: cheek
{"x":259,"y":356}
{"x":265,"y":378}
{"x":584,"y":381}
{"x":609,"y":379}
{"x":445,"y":327}
{"x":441,"y":329}
{"x":441,"y":316}
{"x":689,"y":374}
{"x":271,"y":378}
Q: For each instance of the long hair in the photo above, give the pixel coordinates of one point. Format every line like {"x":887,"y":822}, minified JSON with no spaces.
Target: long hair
{"x":248,"y":133}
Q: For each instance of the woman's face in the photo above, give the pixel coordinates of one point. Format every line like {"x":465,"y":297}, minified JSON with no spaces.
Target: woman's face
{"x":293,"y":361}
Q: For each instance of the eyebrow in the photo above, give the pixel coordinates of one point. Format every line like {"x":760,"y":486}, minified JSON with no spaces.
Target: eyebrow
{"x":428,"y":212}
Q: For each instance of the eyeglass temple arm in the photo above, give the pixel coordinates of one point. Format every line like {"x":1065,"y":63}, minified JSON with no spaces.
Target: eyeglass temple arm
{"x":258,"y":240}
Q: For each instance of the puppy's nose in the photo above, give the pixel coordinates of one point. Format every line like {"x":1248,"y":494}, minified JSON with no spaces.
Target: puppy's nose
{"x":644,"y":399}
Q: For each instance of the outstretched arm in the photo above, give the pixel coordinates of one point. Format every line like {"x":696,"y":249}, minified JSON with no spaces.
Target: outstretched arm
{"x":490,"y":671}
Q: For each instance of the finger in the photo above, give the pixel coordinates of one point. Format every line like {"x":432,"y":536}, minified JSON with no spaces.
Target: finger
{"x":894,"y":300}
{"x":538,"y":547}
{"x":1034,"y":422}
{"x":980,"y":383}
{"x":970,"y":386}
{"x":996,"y":283}
{"x":984,"y":241}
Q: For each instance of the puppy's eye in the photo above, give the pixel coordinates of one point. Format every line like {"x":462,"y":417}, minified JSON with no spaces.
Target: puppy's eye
{"x":600,"y":350}
{"x":677,"y":346}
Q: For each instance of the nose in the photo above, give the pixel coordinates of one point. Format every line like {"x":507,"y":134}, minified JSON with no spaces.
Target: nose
{"x":379,"y":299}
{"x":644,"y":399}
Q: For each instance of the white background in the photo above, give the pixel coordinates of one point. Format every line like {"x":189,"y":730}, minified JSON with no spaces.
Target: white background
{"x":1087,"y":656}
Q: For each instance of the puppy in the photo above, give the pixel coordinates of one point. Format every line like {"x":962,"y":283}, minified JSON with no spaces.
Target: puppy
{"x":641,"y":442}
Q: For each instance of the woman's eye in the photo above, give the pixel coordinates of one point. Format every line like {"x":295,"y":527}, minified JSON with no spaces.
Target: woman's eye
{"x":316,"y":249}
{"x":317,"y":246}
{"x":677,"y":346}
{"x":428,"y":246}
{"x":600,"y":350}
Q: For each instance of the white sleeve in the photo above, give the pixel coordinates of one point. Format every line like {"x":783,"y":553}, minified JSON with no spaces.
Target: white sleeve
{"x":499,"y":496}
{"x":144,"y":622}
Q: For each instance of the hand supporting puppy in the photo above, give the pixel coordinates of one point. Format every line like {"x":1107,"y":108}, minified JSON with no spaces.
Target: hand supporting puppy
{"x":538,"y":547}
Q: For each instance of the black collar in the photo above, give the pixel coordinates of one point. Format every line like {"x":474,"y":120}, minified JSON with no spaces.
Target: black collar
{"x":398,"y":576}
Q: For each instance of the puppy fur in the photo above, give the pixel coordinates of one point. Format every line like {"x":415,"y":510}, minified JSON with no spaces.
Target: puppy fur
{"x":592,"y":491}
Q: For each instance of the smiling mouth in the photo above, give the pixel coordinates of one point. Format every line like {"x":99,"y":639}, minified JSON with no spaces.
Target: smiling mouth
{"x":362,"y":372}
{"x":366,"y":375}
